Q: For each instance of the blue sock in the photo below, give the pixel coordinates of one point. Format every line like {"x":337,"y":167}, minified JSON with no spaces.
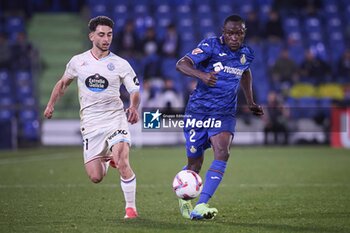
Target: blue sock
{"x":212,"y":180}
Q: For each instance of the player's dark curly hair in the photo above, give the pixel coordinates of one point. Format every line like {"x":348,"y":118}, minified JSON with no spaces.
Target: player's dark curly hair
{"x":234,"y":18}
{"x":100,"y":20}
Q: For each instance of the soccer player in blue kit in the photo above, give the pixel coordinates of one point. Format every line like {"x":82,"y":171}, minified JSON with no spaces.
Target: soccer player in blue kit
{"x":220,"y":64}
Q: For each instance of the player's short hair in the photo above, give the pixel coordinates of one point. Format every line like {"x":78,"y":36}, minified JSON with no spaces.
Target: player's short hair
{"x":234,"y":18}
{"x":100,"y":20}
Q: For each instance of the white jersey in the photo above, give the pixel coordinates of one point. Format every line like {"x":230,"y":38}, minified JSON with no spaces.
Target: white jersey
{"x":99,"y":81}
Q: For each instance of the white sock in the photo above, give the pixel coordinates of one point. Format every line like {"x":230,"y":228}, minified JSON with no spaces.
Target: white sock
{"x":129,"y":190}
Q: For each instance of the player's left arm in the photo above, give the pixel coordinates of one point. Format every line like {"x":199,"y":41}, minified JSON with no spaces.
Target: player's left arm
{"x":246,"y":83}
{"x":133,"y":114}
{"x":132,"y":85}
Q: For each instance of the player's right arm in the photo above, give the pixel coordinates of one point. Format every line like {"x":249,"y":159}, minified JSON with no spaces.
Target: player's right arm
{"x":57,"y":92}
{"x":185,"y":65}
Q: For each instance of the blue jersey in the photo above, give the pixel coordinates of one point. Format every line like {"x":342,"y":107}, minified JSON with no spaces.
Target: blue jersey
{"x":213,"y":55}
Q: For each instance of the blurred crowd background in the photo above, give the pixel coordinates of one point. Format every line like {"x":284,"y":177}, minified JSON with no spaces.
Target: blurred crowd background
{"x":302,"y":55}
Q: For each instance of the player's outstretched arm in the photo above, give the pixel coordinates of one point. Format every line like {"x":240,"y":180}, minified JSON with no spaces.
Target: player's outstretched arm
{"x":246,"y":83}
{"x":57,"y":92}
{"x":133,"y":114}
{"x":185,"y":66}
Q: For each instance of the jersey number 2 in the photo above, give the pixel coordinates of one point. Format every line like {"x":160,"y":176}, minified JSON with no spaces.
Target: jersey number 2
{"x":192,"y":133}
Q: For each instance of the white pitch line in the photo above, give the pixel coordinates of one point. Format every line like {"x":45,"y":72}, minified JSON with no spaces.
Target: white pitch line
{"x":22,"y":186}
{"x":35,"y":158}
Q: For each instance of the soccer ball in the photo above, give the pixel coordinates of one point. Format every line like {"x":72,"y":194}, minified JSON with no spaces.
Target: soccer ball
{"x":187,"y":184}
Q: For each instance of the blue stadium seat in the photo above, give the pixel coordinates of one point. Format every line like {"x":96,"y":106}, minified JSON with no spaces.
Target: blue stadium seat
{"x":273,"y":49}
{"x":183,"y":11}
{"x":292,"y":104}
{"x":6,"y":102}
{"x":99,"y":9}
{"x":5,"y":84}
{"x":346,"y":12}
{"x":261,"y":91}
{"x":23,"y":77}
{"x":141,"y":9}
{"x":142,"y":23}
{"x":188,"y":43}
{"x":291,"y":24}
{"x":330,"y":9}
{"x":307,"y":107}
{"x":203,"y":11}
{"x":14,"y":24}
{"x":6,"y":115}
{"x":29,"y":101}
{"x":325,"y":105}
{"x":206,"y":27}
{"x":264,"y":7}
{"x":168,"y":71}
{"x":336,"y":45}
{"x":120,"y":14}
{"x":312,"y":24}
{"x":296,"y":52}
{"x":245,"y":7}
{"x":224,"y":10}
{"x":30,"y":130}
{"x":258,"y":52}
{"x":334,"y":24}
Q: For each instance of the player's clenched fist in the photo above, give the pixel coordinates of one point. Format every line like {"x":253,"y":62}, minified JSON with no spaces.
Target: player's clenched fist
{"x":48,"y":112}
{"x":133,"y":115}
{"x":256,"y":109}
{"x":209,"y":79}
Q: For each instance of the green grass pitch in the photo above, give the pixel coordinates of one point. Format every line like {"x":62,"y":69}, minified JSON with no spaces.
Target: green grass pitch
{"x":293,"y":189}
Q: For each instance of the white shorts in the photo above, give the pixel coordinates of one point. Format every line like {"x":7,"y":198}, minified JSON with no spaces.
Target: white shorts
{"x":98,"y":143}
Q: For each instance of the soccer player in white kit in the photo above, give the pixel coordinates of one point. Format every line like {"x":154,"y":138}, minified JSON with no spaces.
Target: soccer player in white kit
{"x":104,"y":123}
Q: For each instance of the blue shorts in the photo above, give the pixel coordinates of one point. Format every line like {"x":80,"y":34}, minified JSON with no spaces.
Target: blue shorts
{"x":197,"y":135}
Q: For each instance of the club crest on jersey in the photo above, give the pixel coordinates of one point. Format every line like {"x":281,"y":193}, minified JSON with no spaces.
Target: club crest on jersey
{"x":96,"y":83}
{"x":197,"y":51}
{"x":193,"y":149}
{"x":243,"y":60}
{"x":110,"y":66}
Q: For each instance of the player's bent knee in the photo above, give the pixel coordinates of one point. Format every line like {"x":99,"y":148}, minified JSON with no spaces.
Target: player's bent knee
{"x":96,"y":178}
{"x":222,"y":154}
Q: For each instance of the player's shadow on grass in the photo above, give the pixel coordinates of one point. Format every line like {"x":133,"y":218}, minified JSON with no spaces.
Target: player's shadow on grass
{"x":284,"y":227}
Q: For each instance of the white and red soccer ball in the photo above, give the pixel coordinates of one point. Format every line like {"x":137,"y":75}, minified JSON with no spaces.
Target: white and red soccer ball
{"x":187,"y":184}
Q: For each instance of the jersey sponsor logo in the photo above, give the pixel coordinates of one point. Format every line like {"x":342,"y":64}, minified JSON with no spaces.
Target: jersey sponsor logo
{"x":111,"y":66}
{"x":197,"y":51}
{"x":96,"y":83}
{"x":232,"y":70}
{"x":227,"y":69}
{"x":218,"y":66}
{"x":118,"y":132}
{"x":243,"y":59}
{"x":136,"y":81}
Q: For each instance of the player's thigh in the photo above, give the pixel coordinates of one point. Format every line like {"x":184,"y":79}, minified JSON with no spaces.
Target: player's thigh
{"x":120,"y":152}
{"x":196,"y":142}
{"x":95,"y":146}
